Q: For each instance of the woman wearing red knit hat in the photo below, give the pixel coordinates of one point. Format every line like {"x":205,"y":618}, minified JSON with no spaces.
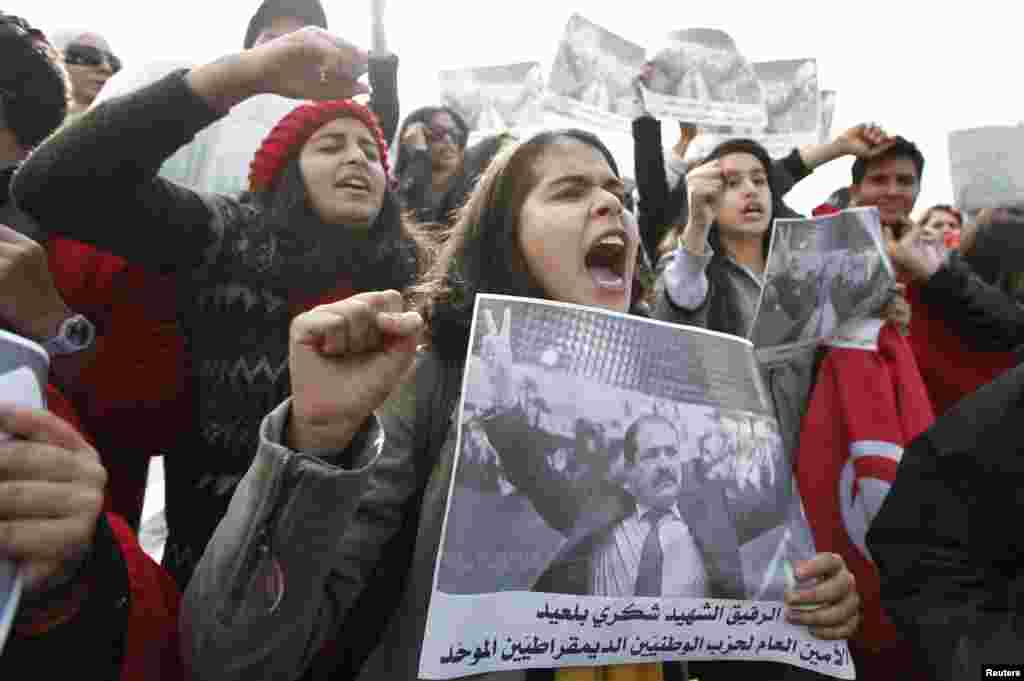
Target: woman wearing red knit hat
{"x":322,"y":223}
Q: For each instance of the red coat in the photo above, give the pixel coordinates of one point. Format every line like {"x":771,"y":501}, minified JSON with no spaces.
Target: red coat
{"x":127,"y":626}
{"x":131,"y":396}
{"x":950,"y":369}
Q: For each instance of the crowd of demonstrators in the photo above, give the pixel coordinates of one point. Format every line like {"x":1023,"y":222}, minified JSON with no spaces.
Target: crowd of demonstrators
{"x":305,"y":405}
{"x":518,"y":235}
{"x":322,"y":225}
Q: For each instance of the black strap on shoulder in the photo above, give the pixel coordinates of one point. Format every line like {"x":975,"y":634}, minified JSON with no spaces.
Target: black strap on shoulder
{"x":370,"y":614}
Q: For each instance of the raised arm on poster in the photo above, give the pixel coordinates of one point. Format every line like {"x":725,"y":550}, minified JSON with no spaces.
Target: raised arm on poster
{"x":24,"y":366}
{"x":592,"y":78}
{"x":494,"y":99}
{"x":636,"y":550}
{"x":379,"y":44}
{"x":792,"y":104}
{"x":827,"y":278}
{"x":700,"y":76}
{"x":828,"y":110}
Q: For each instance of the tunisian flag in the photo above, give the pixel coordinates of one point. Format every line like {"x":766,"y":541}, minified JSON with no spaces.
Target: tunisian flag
{"x":866,"y":406}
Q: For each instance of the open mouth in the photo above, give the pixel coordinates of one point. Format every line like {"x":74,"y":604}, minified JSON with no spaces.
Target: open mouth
{"x":753,"y":211}
{"x":354,"y":184}
{"x":606,"y":260}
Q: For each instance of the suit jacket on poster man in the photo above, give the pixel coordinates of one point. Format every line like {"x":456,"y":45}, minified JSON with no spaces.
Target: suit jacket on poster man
{"x":586,"y":513}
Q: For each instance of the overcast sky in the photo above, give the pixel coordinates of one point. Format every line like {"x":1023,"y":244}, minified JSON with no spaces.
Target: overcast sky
{"x":919,"y":69}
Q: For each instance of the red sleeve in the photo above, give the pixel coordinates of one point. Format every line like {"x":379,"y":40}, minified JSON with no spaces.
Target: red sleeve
{"x":950,"y":369}
{"x":152,"y":647}
{"x":134,"y":312}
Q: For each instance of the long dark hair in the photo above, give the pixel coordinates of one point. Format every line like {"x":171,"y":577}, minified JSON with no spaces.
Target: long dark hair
{"x":724,"y":312}
{"x":483,"y":253}
{"x":303,"y":254}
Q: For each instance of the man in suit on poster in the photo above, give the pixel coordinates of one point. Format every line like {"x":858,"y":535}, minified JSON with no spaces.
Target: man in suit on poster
{"x":655,"y":535}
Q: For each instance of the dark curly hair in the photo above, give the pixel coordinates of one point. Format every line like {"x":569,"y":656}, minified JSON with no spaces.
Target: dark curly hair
{"x":314,"y":254}
{"x":33,"y":94}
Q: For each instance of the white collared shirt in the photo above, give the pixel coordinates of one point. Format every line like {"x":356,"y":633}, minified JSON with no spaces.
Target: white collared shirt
{"x":617,"y":559}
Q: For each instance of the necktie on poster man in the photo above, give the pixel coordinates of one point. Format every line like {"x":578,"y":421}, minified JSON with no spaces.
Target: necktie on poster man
{"x":592,"y":419}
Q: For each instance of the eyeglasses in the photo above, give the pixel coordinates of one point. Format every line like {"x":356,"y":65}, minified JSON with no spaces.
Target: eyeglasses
{"x":439,"y":133}
{"x":87,"y":55}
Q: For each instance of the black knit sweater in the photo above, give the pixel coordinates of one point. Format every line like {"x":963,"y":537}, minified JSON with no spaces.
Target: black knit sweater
{"x":239,"y":283}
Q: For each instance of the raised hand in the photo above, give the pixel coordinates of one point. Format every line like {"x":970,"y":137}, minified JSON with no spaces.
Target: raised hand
{"x":705,"y":187}
{"x":496,"y":356}
{"x":912,"y":254}
{"x":345,"y":359}
{"x":310,"y":64}
{"x":865,"y":141}
{"x":51,"y":493}
{"x":415,"y":135}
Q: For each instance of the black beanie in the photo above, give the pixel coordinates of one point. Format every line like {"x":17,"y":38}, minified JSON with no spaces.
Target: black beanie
{"x":310,"y":11}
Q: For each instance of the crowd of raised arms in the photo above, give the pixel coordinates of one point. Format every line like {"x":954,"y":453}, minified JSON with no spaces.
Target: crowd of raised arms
{"x":283,"y":348}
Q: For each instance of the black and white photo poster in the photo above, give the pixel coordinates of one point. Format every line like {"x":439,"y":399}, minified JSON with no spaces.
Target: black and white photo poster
{"x":496,"y":98}
{"x":701,"y":77}
{"x":621,"y":494}
{"x":825,"y":277}
{"x":24,"y":366}
{"x":792,"y":102}
{"x":987,"y":165}
{"x":592,"y":75}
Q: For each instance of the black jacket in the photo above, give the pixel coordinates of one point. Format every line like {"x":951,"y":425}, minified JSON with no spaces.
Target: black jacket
{"x":986,"y":317}
{"x":660,"y":206}
{"x":950,"y":553}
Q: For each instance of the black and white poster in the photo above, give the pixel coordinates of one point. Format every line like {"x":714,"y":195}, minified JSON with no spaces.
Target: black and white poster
{"x":621,"y":494}
{"x":24,"y":367}
{"x":825,"y":278}
{"x":496,"y":98}
{"x":592,"y":75}
{"x":987,"y":165}
{"x":700,"y":76}
{"x":793,"y":104}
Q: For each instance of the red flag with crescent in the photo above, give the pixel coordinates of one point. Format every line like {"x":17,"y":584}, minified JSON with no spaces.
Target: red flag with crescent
{"x":865,"y":408}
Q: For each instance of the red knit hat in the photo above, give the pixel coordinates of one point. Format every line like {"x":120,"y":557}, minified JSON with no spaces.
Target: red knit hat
{"x":291,"y":132}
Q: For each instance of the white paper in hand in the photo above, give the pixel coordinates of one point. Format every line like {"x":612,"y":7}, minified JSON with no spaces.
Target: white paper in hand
{"x":24,"y":366}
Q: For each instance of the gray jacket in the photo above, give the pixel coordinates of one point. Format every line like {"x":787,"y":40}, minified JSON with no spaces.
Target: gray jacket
{"x":325,"y":526}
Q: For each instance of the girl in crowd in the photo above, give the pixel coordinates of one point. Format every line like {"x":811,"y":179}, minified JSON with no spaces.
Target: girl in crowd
{"x":429,"y":163}
{"x":348,"y":490}
{"x":322,"y":223}
{"x":942,"y":223}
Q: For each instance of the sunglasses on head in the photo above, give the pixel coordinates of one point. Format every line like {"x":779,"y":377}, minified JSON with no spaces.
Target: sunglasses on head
{"x":87,"y":55}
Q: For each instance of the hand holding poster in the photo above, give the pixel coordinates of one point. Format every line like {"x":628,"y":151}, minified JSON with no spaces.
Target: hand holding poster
{"x":824,"y":276}
{"x":24,"y":367}
{"x":496,"y":98}
{"x":621,"y":494}
{"x":987,"y":166}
